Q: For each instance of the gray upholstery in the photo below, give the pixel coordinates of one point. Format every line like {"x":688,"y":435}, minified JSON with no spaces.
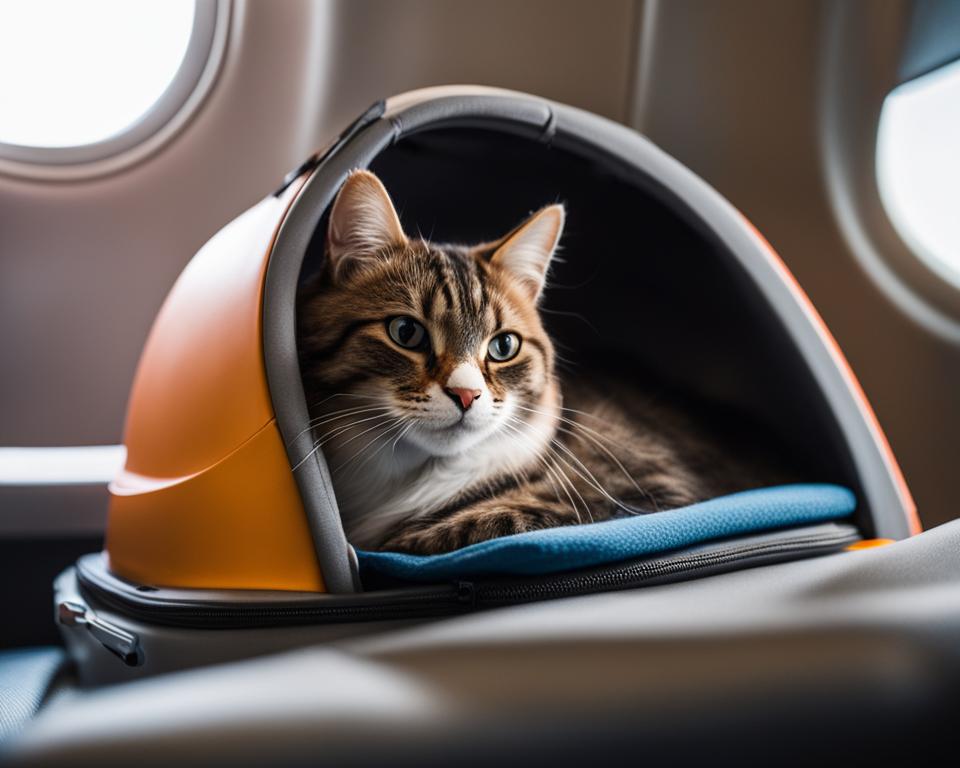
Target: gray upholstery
{"x":26,"y":675}
{"x":858,"y":643}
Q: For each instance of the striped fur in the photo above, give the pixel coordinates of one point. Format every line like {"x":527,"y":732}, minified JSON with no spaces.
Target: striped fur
{"x":415,"y":473}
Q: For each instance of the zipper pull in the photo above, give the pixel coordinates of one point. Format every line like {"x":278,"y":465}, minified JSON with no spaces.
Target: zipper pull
{"x":118,"y":641}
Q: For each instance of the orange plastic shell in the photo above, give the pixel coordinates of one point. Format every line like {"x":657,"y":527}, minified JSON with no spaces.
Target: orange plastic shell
{"x":207,"y":498}
{"x":869,"y":544}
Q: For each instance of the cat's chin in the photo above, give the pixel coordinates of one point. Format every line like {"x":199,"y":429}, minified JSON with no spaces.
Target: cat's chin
{"x":453,"y":440}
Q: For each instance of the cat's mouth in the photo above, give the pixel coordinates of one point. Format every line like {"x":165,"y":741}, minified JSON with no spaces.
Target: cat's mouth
{"x":454,"y":436}
{"x":445,"y":423}
{"x":461,"y":423}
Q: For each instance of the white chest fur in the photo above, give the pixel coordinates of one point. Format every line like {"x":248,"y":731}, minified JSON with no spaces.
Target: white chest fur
{"x":400,"y":481}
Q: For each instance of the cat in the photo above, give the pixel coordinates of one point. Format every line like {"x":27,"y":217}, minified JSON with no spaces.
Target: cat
{"x":434,"y":397}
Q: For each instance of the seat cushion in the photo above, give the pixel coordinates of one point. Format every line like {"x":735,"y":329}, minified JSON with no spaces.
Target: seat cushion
{"x":26,"y":676}
{"x":554,"y":550}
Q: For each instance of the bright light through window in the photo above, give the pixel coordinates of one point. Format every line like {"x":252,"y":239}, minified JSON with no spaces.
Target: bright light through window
{"x":73,"y":465}
{"x":75,"y":72}
{"x":918,"y":166}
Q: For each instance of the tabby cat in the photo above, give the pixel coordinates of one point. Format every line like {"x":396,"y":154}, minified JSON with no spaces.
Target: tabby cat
{"x":435,"y":401}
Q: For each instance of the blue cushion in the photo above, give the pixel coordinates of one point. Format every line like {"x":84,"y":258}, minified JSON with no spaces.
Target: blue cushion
{"x":553,"y":550}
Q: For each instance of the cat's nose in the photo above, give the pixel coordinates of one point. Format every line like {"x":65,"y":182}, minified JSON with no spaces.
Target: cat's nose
{"x":463,"y":397}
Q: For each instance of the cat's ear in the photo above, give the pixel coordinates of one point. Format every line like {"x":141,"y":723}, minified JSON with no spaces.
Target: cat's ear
{"x":363,"y":223}
{"x":525,"y":253}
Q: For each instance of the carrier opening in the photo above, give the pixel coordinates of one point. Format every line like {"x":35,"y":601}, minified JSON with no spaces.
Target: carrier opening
{"x":642,"y":288}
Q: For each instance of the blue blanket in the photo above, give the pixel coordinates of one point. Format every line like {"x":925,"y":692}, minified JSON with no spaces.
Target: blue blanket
{"x":581,"y":546}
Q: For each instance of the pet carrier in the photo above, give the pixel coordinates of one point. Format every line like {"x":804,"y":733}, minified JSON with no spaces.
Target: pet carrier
{"x":224,"y":538}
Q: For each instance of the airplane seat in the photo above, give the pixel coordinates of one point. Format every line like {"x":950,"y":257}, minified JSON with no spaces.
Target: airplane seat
{"x":28,"y":679}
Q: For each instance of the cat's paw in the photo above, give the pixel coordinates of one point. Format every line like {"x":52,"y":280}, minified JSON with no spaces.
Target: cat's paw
{"x":421,"y":542}
{"x":463,"y":529}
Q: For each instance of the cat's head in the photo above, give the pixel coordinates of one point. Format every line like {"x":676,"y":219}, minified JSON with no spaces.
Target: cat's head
{"x":446,"y":341}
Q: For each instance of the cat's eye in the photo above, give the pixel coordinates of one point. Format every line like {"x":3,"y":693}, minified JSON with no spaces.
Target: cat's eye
{"x":407,"y":332}
{"x":504,"y":346}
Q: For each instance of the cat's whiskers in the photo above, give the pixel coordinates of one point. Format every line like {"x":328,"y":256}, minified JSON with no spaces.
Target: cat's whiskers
{"x":597,"y":438}
{"x":572,"y":422}
{"x":400,"y":436}
{"x":387,"y":424}
{"x":568,"y":485}
{"x":593,"y":436}
{"x":552,"y":469}
{"x":399,"y":424}
{"x":553,"y":481}
{"x":633,"y":482}
{"x":591,"y":479}
{"x":551,"y":472}
{"x":324,"y":418}
{"x":341,"y":429}
{"x":337,"y":431}
{"x":515,"y":468}
{"x":335,"y":415}
{"x":521,"y":476}
{"x":400,"y":429}
{"x":341,"y":394}
{"x":384,"y":422}
{"x":586,"y":475}
{"x":555,"y":457}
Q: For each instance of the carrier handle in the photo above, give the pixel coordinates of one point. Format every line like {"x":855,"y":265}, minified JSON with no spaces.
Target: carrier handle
{"x":470,"y":106}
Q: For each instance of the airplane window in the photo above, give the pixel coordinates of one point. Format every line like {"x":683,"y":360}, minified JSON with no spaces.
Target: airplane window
{"x":80,"y":82}
{"x":918,"y":167}
{"x":70,"y":465}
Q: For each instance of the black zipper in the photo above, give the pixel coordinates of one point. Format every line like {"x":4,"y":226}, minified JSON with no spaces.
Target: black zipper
{"x":439,"y":601}
{"x":456,"y":597}
{"x":649,"y":572}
